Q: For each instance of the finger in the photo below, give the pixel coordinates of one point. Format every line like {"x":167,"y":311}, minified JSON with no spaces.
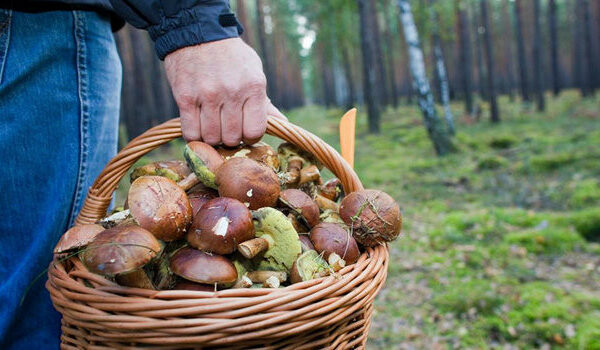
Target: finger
{"x":210,"y":119}
{"x":190,"y":123}
{"x":254,"y":119}
{"x":275,"y":112}
{"x":231,"y":124}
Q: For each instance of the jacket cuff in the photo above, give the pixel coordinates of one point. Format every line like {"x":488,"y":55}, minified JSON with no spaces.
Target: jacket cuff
{"x":192,"y":26}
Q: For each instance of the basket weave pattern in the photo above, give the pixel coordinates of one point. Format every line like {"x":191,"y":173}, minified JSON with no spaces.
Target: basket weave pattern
{"x":327,"y":313}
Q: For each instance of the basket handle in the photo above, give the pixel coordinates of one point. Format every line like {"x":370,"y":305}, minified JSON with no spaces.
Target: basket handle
{"x":100,"y":194}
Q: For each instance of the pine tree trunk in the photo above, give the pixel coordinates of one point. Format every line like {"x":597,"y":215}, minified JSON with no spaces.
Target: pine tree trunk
{"x":440,"y":70}
{"x":393,"y":93}
{"x":242,"y":15}
{"x":480,"y":68}
{"x":537,"y":57}
{"x":384,"y":97}
{"x":370,"y":78}
{"x":489,"y":56}
{"x":465,"y":61}
{"x":524,"y":81}
{"x":264,"y":49}
{"x":437,"y":134}
{"x":508,"y":48}
{"x":588,"y":53}
{"x":351,"y":97}
{"x":554,"y":47}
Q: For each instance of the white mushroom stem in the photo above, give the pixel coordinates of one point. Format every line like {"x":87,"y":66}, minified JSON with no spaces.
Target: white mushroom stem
{"x":244,"y":282}
{"x":263,"y":276}
{"x":253,"y":247}
{"x":326,"y":203}
{"x":336,"y":262}
{"x":189,"y":181}
{"x":272,"y":282}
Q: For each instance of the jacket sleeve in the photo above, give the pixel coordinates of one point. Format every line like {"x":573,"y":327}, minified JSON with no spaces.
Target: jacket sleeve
{"x":173,"y":24}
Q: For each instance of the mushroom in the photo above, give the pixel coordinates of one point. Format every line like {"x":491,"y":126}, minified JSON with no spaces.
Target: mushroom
{"x":331,"y":216}
{"x":288,"y":151}
{"x":329,"y":238}
{"x":248,"y":181}
{"x":183,"y":284}
{"x":175,"y":170}
{"x":308,"y":266}
{"x":203,"y":160}
{"x":77,"y":237}
{"x":198,"y":196}
{"x":160,"y":206}
{"x":242,"y":266}
{"x":301,"y":205}
{"x":305,"y":243}
{"x":332,"y":189}
{"x":117,"y":218}
{"x":122,"y":252}
{"x":260,"y":152}
{"x":373,"y":216}
{"x":201,"y":267}
{"x":276,"y":240}
{"x":326,"y":204}
{"x":262,"y":276}
{"x":309,"y":174}
{"x":220,"y":225}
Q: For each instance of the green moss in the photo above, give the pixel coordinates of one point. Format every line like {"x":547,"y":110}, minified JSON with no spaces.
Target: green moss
{"x":551,"y":240}
{"x":461,"y":296}
{"x":588,"y":332}
{"x":554,"y":161}
{"x":587,"y":223}
{"x":502,"y":142}
{"x":586,"y":193}
{"x":491,"y":163}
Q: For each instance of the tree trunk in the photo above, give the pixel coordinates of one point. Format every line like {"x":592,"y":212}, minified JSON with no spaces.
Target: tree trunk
{"x":465,"y":61}
{"x":384,"y":97}
{"x":370,"y":78}
{"x":554,"y":47}
{"x":440,"y":70}
{"x":262,"y":41}
{"x":588,"y":53}
{"x":351,"y":98}
{"x":508,"y":51}
{"x":489,"y":56}
{"x":242,"y":15}
{"x":521,"y":51}
{"x":537,"y":57}
{"x":437,"y":134}
{"x":387,"y":35}
{"x":480,"y":68}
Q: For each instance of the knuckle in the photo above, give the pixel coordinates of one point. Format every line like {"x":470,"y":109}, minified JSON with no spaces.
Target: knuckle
{"x":185,"y":100}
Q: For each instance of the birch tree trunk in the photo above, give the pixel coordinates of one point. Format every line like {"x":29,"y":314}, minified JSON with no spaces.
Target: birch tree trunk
{"x":554,"y":47}
{"x":465,"y":61}
{"x":437,"y":134}
{"x":441,"y":70}
{"x":370,"y":78}
{"x":489,"y":56}
{"x":521,"y":51}
{"x":537,"y":57}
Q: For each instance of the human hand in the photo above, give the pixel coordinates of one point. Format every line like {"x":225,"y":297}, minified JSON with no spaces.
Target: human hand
{"x":220,"y":89}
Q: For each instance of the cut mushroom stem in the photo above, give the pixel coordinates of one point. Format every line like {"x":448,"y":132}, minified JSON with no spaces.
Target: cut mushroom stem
{"x":310,"y":174}
{"x":336,"y":262}
{"x":118,"y":218}
{"x":326,"y":204}
{"x":243,"y":282}
{"x":188,"y":182}
{"x":263,"y":276}
{"x":253,"y":247}
{"x":272,"y":282}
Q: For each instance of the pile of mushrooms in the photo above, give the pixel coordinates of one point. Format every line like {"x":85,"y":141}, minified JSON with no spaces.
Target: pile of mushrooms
{"x":243,"y":217}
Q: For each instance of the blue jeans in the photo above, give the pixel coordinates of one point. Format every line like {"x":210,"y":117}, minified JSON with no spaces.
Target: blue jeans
{"x":60,"y":81}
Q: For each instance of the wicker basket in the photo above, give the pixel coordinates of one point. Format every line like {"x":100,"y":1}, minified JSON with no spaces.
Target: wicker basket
{"x":325,"y":313}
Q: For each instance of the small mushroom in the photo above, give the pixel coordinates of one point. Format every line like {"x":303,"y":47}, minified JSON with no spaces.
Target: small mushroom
{"x":220,"y":225}
{"x":160,"y":206}
{"x":291,"y":176}
{"x":262,"y":276}
{"x":175,"y":170}
{"x":122,"y":217}
{"x":332,"y":189}
{"x":203,"y":160}
{"x":201,"y":267}
{"x":329,"y":238}
{"x":305,"y":243}
{"x":288,"y":151}
{"x":122,"y":251}
{"x":260,"y":152}
{"x":373,"y":216}
{"x":308,"y":266}
{"x":272,"y":282}
{"x":300,"y":204}
{"x":276,"y":240}
{"x":336,"y":262}
{"x":77,"y":237}
{"x":326,"y":204}
{"x":331,"y":216}
{"x":309,"y":174}
{"x":249,"y":182}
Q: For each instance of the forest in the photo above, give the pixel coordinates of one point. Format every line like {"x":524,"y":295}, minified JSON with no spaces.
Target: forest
{"x":480,"y":117}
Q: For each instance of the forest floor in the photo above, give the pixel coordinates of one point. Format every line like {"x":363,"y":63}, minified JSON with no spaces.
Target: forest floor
{"x":492,"y":253}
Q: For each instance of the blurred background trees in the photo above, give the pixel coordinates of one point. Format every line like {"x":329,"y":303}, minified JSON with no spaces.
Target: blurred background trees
{"x":348,"y":53}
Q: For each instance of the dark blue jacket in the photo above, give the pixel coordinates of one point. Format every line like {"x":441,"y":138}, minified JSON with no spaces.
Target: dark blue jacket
{"x":172,"y":24}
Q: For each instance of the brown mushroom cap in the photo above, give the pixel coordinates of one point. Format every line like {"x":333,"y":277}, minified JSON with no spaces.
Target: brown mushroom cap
{"x":332,"y":189}
{"x":330,"y":238}
{"x":200,"y":267}
{"x":260,"y":152}
{"x":220,"y":225}
{"x":160,"y":206}
{"x":249,"y":182}
{"x":183,"y":284}
{"x":306,"y":243}
{"x":209,"y":156}
{"x":120,"y":249}
{"x":199,"y":195}
{"x":175,"y":170}
{"x":373,"y":215}
{"x":77,"y":237}
{"x":301,"y":204}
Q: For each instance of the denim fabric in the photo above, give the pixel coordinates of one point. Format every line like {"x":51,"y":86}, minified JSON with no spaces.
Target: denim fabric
{"x":60,"y":80}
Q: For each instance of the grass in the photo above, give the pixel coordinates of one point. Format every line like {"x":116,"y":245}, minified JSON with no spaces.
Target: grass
{"x":498,"y":246}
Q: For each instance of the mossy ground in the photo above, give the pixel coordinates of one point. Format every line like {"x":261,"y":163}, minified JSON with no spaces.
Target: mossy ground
{"x":493,"y":253}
